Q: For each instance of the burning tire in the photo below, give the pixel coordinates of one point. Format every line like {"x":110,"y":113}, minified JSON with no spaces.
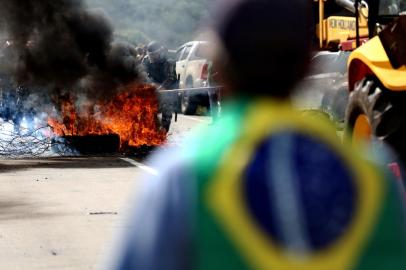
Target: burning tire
{"x":374,"y":111}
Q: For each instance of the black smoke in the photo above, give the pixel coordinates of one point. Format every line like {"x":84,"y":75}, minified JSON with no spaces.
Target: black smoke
{"x":61,"y":44}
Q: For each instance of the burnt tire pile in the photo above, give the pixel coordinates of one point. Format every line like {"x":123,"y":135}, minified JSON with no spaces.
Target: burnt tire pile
{"x":385,"y":111}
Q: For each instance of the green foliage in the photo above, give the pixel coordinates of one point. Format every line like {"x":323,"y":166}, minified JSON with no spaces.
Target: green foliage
{"x":171,"y":22}
{"x":132,"y":36}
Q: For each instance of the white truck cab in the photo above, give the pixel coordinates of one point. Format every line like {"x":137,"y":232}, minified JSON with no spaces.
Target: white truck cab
{"x":192,"y":64}
{"x":192,"y":69}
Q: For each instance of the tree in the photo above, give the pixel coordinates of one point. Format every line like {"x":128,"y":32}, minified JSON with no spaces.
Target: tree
{"x":171,"y":22}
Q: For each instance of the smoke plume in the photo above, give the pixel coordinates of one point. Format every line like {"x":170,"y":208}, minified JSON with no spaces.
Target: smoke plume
{"x":61,"y":44}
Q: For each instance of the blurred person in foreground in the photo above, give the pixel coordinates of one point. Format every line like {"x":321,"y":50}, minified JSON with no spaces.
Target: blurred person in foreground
{"x":264,"y":187}
{"x":162,"y":73}
{"x":214,"y":92}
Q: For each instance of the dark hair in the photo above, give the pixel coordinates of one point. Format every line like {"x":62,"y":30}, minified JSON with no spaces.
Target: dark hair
{"x":267,"y":44}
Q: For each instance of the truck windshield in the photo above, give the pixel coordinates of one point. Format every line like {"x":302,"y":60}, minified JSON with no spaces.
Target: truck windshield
{"x":392,"y":7}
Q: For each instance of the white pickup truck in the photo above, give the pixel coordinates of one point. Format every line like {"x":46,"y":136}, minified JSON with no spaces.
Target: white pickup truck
{"x":192,"y":68}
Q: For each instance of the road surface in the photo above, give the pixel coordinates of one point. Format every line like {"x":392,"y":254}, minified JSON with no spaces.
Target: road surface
{"x":63,"y":213}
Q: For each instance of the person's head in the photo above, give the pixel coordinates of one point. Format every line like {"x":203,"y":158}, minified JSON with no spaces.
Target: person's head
{"x":140,"y":50}
{"x":264,"y":45}
{"x":154,"y":50}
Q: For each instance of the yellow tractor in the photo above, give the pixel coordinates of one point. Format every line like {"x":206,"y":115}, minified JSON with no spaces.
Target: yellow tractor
{"x":337,"y":26}
{"x":376,"y":107}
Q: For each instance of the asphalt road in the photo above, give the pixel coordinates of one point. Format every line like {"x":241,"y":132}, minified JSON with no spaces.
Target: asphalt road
{"x":63,"y":213}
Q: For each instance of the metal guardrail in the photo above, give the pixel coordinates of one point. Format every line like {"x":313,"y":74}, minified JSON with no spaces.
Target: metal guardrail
{"x":195,"y":89}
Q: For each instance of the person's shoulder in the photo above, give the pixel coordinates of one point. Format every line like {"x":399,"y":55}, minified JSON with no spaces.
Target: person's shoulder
{"x":168,"y":62}
{"x":169,"y":159}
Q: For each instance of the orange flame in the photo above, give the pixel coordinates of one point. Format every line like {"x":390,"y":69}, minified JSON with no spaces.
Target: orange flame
{"x":131,"y":114}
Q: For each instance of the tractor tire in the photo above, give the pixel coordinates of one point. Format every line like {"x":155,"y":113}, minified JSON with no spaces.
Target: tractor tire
{"x":373,"y":108}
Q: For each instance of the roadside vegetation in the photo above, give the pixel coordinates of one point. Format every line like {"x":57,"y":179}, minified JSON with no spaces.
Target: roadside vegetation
{"x":171,"y":22}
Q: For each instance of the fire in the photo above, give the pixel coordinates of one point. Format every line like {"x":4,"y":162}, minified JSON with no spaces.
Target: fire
{"x":131,"y":114}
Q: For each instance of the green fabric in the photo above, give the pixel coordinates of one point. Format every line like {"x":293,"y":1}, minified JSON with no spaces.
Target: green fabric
{"x":386,"y":246}
{"x":213,"y":244}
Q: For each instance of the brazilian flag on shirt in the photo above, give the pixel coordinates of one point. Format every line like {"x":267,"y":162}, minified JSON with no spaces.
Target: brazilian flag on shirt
{"x":279,"y":191}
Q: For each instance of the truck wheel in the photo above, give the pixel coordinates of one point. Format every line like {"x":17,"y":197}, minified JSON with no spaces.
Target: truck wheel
{"x":188,"y":107}
{"x":375,"y":112}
